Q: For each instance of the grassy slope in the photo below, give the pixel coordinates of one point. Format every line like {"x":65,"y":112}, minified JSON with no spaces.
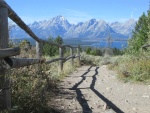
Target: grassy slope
{"x":129,"y":67}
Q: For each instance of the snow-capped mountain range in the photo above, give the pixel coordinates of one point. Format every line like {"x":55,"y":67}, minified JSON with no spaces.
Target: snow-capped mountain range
{"x":90,"y":29}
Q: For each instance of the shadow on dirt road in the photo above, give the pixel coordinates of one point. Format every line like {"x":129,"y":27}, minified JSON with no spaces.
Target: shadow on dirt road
{"x":81,"y":99}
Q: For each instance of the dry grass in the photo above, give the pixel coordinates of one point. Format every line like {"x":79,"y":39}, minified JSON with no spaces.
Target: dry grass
{"x":129,"y":67}
{"x":34,"y":86}
{"x":132,"y":68}
{"x":90,"y":59}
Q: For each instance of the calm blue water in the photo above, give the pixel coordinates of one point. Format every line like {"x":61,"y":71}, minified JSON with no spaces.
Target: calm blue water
{"x":119,"y":45}
{"x":76,"y":42}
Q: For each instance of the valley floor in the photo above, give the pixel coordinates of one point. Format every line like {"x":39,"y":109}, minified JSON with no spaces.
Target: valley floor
{"x":94,"y":89}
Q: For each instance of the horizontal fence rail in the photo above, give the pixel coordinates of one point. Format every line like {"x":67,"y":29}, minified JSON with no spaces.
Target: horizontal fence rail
{"x":6,"y":53}
{"x":145,"y":46}
{"x":9,"y":52}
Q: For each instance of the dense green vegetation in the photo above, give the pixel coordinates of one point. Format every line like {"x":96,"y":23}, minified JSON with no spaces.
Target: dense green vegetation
{"x":102,"y":52}
{"x":141,"y":34}
{"x":50,"y":50}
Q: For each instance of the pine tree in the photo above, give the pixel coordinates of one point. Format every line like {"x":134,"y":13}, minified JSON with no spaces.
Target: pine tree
{"x":49,"y":50}
{"x":59,"y":40}
{"x":148,"y":21}
{"x":88,"y":50}
{"x":140,"y":34}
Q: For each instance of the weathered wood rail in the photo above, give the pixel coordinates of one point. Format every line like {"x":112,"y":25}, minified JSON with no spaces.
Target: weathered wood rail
{"x":145,"y":46}
{"x":6,"y":53}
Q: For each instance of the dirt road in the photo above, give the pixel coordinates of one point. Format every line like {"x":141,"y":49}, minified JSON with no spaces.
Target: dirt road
{"x":97,"y":90}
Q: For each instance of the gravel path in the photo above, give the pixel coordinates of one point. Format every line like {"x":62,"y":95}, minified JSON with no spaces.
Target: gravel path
{"x":97,"y":90}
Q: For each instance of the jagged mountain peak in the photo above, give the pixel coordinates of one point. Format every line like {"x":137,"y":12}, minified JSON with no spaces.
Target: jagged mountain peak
{"x":124,"y":28}
{"x":92,"y":20}
{"x":35,"y":23}
{"x":131,"y":20}
{"x":59,"y":18}
{"x":92,"y":28}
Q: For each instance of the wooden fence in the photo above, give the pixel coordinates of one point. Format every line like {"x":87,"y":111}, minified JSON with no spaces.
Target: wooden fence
{"x":6,"y":53}
{"x":145,"y":46}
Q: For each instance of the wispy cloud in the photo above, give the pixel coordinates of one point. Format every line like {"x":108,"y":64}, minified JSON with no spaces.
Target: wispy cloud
{"x":132,"y":12}
{"x":75,"y":16}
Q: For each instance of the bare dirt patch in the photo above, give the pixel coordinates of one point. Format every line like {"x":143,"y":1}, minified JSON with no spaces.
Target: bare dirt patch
{"x":93,"y":89}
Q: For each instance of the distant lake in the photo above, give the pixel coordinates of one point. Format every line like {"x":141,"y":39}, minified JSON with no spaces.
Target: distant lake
{"x":84,"y":42}
{"x":119,"y":45}
{"x":98,"y":43}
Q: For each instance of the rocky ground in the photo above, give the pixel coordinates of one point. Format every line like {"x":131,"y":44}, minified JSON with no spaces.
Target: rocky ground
{"x":94,"y":89}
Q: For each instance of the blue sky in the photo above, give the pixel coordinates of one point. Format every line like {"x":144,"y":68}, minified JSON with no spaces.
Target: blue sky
{"x":79,"y":10}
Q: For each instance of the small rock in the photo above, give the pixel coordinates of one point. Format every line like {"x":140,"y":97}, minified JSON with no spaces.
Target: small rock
{"x":130,"y":93}
{"x":92,"y":108}
{"x":126,"y":100}
{"x":145,"y":96}
{"x":134,"y":109}
{"x":108,"y":88}
{"x":106,"y":106}
{"x":62,"y":107}
{"x":99,"y":106}
{"x":69,"y":82}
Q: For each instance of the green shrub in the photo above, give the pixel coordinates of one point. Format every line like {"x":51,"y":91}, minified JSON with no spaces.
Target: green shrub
{"x":88,"y":50}
{"x":33,"y":86}
{"x":94,"y":51}
{"x":136,"y":68}
{"x":29,"y":87}
{"x":117,"y":51}
{"x":50,"y":50}
{"x":90,"y":59}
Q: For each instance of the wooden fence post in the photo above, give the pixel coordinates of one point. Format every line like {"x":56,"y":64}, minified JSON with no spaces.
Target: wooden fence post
{"x":61,"y":54}
{"x":78,"y":52}
{"x":5,"y":90}
{"x":71,"y":54}
{"x":39,"y":46}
